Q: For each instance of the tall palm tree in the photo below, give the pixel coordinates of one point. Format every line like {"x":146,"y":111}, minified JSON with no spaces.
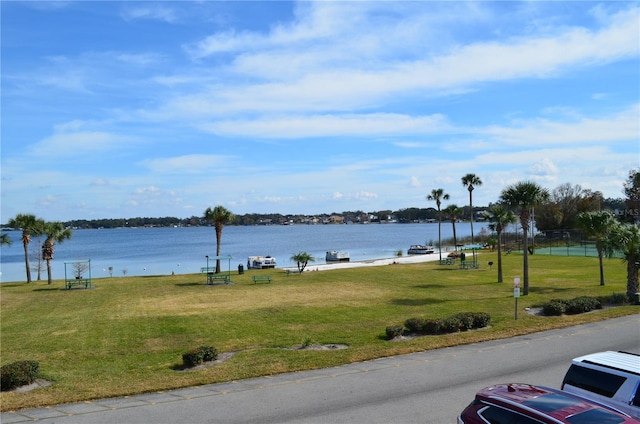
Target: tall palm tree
{"x":626,"y":239}
{"x":438,"y":195}
{"x":524,"y":196}
{"x":452,"y":213}
{"x":499,"y":217}
{"x":55,"y":232}
{"x":302,"y":259}
{"x":219,"y":216}
{"x":597,"y":225}
{"x":27,"y":223}
{"x":470,"y":181}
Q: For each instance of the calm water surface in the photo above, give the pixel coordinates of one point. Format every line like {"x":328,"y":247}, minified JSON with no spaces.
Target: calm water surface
{"x":162,"y":251}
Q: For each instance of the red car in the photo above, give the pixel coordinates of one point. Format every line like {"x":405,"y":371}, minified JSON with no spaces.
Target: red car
{"x":526,"y":404}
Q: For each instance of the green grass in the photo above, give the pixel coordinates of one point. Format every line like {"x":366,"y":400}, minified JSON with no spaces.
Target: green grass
{"x":128,"y":334}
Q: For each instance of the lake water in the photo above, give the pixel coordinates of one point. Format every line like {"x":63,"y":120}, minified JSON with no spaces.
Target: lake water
{"x":162,"y":251}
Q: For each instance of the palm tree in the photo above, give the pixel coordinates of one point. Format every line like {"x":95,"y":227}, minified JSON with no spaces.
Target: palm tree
{"x":27,"y":223}
{"x":55,"y":232}
{"x":626,"y":239}
{"x":452,"y":213}
{"x":597,"y":225}
{"x":219,"y":216}
{"x":438,"y":195}
{"x":500,"y":217}
{"x":302,"y":259}
{"x":4,"y":239}
{"x":524,"y":196}
{"x":470,"y":181}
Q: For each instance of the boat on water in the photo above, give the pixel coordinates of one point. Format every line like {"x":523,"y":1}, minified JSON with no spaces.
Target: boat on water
{"x":419,"y":249}
{"x":335,"y":256}
{"x":261,"y":262}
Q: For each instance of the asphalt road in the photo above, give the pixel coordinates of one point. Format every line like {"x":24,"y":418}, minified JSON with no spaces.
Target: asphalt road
{"x":427,"y":387}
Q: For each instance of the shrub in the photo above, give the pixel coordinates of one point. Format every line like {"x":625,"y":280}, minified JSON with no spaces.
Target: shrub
{"x":18,"y":374}
{"x":481,"y":319}
{"x":451,"y":324}
{"x":583,"y":304}
{"x":415,"y":325}
{"x":617,"y":298}
{"x":553,"y":308}
{"x":393,"y":331}
{"x":467,"y":320}
{"x":199,"y":355}
{"x":433,"y":326}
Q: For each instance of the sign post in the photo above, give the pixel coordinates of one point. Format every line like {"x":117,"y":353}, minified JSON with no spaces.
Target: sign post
{"x":516,"y":293}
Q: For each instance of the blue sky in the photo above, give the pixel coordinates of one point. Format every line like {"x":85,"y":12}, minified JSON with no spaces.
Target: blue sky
{"x":124,"y":109}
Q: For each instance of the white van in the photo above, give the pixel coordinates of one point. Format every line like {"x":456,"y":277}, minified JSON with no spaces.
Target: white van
{"x":612,"y":378}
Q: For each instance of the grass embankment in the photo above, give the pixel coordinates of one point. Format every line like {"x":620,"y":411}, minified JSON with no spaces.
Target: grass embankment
{"x":128,"y":334}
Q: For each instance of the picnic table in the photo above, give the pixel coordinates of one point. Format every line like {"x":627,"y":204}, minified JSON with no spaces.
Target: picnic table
{"x":78,"y":281}
{"x":212,"y":277}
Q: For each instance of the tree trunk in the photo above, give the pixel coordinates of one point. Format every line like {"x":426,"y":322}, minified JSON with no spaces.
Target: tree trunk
{"x":218,"y":242}
{"x":26,"y":260}
{"x":49,"y":271}
{"x":600,"y":261}
{"x":525,"y":257}
{"x":499,"y":256}
{"x":632,"y":277}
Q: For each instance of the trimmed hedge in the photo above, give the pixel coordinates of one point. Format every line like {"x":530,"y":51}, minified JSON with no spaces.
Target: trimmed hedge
{"x":459,"y":322}
{"x":579,"y":305}
{"x":394,"y":331}
{"x":18,"y":374}
{"x":199,"y":355}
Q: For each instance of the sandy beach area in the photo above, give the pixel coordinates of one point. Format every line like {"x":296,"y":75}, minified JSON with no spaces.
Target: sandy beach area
{"x":311,"y":266}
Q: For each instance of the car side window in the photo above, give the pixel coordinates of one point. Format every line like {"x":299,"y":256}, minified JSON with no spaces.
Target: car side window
{"x":636,"y":396}
{"x":495,"y":415}
{"x":595,"y":381}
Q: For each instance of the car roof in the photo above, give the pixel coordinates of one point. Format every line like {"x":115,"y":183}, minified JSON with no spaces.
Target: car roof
{"x":553,"y":403}
{"x":623,"y":361}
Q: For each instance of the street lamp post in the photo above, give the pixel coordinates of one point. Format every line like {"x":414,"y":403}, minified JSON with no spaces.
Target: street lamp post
{"x":207,"y":256}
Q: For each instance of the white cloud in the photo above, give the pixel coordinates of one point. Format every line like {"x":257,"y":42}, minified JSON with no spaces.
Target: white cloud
{"x":376,"y":124}
{"x":153,"y":12}
{"x":189,"y":164}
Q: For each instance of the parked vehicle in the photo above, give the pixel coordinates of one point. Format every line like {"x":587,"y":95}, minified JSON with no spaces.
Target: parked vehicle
{"x":419,"y":249}
{"x":261,"y":262}
{"x":335,"y":256}
{"x":612,"y":378}
{"x":527,"y":404}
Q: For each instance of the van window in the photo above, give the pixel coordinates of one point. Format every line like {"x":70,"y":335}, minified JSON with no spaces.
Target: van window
{"x":595,"y":381}
{"x":636,"y":397}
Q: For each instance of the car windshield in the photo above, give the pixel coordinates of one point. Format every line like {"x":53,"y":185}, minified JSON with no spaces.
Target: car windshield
{"x":595,"y":416}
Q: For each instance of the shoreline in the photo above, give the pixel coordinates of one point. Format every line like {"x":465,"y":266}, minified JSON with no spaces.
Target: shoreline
{"x":412,"y":259}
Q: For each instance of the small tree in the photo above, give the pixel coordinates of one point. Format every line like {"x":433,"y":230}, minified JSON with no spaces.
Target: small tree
{"x":55,"y":232}
{"x":625,"y":238}
{"x":79,"y":268}
{"x":597,"y":225}
{"x":302,"y":259}
{"x":500,"y":217}
{"x":438,"y":195}
{"x":219,"y":216}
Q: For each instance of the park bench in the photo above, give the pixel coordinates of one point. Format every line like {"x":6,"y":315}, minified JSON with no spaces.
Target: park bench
{"x":261,"y":279}
{"x":292,"y":271}
{"x":78,"y":282}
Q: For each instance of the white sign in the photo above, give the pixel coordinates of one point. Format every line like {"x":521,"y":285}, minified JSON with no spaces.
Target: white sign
{"x":516,"y":292}
{"x":516,"y":282}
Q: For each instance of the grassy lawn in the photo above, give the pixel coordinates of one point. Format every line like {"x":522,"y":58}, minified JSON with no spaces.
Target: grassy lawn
{"x":128,"y":334}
